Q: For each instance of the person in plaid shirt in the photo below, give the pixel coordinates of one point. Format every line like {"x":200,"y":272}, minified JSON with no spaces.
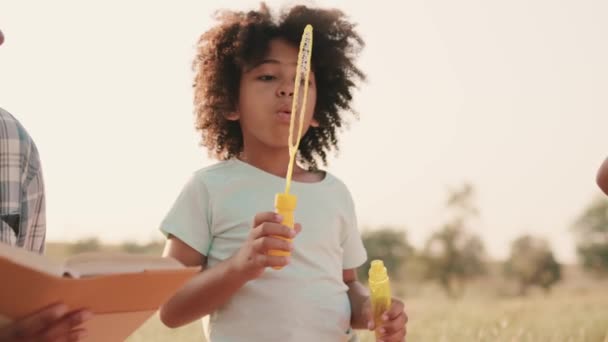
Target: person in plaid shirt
{"x":22,"y":204}
{"x":23,"y":224}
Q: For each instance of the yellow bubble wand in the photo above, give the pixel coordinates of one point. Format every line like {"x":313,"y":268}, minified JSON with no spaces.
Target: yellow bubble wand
{"x":285,"y":203}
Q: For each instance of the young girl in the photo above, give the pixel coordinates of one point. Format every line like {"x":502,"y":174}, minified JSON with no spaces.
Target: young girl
{"x":223,"y":219}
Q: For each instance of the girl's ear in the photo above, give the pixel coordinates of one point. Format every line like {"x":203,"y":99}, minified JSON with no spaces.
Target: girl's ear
{"x":314,"y":123}
{"x":234,"y":116}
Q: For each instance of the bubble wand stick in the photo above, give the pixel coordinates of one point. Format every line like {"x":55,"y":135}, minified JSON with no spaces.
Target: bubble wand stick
{"x":285,"y":203}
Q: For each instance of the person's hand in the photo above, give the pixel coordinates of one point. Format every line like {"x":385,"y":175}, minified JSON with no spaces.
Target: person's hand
{"x":53,"y":323}
{"x":393,"y":327}
{"x":267,"y":234}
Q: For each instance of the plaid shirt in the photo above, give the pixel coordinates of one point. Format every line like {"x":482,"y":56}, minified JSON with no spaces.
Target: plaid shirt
{"x":22,"y":203}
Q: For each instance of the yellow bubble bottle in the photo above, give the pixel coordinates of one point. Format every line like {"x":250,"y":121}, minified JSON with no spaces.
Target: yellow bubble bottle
{"x":285,"y":205}
{"x":380,"y":292}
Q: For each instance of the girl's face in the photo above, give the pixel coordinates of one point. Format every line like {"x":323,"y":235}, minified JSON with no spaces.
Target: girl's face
{"x":265,"y":98}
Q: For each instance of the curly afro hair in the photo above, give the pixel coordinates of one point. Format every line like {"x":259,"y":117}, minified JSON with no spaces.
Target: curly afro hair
{"x":242,"y":38}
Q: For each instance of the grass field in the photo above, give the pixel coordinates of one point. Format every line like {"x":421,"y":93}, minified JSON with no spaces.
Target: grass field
{"x":576,"y":310}
{"x":558,"y":317}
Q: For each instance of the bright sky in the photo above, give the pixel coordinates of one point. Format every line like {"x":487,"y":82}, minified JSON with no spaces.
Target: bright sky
{"x":508,"y":95}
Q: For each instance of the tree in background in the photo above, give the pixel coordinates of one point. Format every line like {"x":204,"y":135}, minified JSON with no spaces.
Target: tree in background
{"x":389,"y":244}
{"x":591,"y":229}
{"x":453,"y":255}
{"x":532,"y":263}
{"x":153,"y":247}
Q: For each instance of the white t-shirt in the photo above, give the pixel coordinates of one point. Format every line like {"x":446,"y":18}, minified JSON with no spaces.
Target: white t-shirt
{"x":305,"y":301}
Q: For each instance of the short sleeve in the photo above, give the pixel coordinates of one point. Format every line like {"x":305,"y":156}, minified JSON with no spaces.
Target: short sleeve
{"x":189,"y":219}
{"x":354,"y":253}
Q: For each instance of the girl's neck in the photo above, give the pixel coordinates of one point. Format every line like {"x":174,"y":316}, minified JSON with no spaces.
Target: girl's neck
{"x":274,"y":161}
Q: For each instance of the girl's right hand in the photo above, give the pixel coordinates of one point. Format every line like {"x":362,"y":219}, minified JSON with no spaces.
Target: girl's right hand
{"x":252,"y":258}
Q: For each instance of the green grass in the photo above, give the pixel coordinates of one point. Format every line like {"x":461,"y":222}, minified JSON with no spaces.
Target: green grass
{"x":154,"y":330}
{"x":559,"y":317}
{"x":575,"y":310}
{"x":562,"y":316}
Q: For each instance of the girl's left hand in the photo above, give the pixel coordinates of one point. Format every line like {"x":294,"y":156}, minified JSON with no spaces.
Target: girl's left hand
{"x":394,"y":320}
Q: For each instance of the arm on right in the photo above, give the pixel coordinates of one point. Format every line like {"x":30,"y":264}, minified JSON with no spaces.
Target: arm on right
{"x":211,"y":288}
{"x":602,"y":177}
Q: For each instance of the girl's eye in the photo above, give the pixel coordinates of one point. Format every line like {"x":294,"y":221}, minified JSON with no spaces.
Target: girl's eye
{"x":303,"y":80}
{"x":266,"y":78}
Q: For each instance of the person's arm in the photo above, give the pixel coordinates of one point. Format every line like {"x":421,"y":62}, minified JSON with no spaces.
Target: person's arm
{"x":53,"y":323}
{"x":358,"y":295}
{"x":214,"y":286}
{"x":35,"y":201}
{"x":207,"y":291}
{"x":602,"y":177}
{"x":394,"y":327}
